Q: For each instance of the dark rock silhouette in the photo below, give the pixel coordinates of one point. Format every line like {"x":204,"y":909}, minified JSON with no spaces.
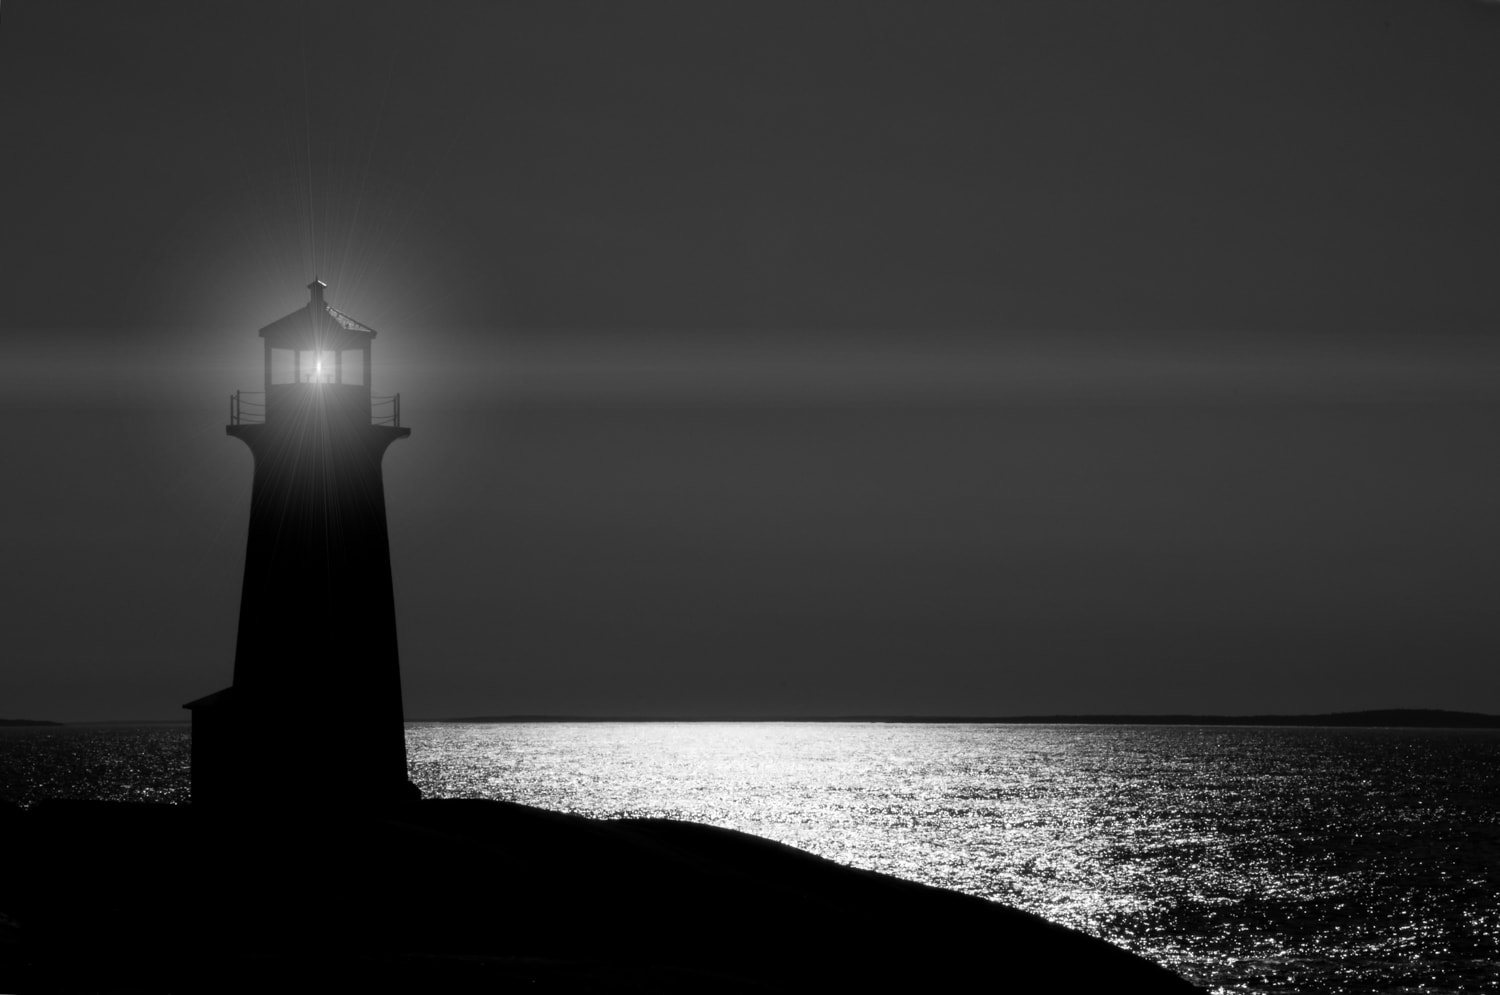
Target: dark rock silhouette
{"x":454,"y":895}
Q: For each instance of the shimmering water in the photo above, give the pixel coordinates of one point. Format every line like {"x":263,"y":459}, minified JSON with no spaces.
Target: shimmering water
{"x":1247,"y":859}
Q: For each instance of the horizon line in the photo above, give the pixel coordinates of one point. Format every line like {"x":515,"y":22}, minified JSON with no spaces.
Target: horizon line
{"x":1376,"y":716}
{"x":1382,"y":716}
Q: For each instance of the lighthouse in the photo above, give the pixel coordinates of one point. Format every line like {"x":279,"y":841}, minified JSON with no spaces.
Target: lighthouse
{"x":314,"y":712}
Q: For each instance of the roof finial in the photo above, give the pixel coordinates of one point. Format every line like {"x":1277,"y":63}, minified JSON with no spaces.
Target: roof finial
{"x":317,"y":287}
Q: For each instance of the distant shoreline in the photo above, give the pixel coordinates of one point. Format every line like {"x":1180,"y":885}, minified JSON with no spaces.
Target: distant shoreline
{"x":1418,"y":718}
{"x":1398,"y":718}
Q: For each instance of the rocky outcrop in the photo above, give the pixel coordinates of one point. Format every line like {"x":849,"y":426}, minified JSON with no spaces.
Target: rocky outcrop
{"x":459,"y":895}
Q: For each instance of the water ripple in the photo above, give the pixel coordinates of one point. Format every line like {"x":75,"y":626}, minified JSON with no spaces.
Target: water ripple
{"x":1250,"y":860}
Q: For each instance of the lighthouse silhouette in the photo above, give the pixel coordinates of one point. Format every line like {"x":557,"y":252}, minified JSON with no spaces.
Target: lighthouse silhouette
{"x":314,"y":713}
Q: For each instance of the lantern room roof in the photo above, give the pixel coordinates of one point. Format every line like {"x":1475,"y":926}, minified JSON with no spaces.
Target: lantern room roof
{"x":349,"y":323}
{"x":319,"y":325}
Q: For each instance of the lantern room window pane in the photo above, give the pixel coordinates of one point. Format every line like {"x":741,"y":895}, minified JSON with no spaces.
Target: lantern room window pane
{"x":281,"y":366}
{"x":354,"y":366}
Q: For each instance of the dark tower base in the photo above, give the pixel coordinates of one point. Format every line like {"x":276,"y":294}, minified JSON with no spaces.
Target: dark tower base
{"x":248,"y":753}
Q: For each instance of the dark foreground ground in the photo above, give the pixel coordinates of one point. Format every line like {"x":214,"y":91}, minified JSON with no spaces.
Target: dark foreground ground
{"x":471,"y":895}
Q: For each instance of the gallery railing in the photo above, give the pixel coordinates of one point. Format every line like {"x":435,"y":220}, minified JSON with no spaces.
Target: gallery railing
{"x":248,"y":407}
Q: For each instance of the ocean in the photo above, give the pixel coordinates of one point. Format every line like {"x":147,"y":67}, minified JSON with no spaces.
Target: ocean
{"x":1248,"y":859}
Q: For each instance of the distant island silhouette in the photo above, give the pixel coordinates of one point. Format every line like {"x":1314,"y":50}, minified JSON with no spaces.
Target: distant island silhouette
{"x":28,"y":722}
{"x":1417,"y":718}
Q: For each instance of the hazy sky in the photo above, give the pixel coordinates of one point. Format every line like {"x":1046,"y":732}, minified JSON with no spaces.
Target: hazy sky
{"x":809,"y":358}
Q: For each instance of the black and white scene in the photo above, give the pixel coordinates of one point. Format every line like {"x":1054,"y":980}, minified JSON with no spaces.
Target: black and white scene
{"x":750,"y":495}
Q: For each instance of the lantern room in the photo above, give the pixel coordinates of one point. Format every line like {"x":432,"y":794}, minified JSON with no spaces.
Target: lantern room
{"x":316,"y":349}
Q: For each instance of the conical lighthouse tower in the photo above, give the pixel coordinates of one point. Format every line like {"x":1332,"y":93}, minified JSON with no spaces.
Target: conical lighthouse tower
{"x":314,"y":713}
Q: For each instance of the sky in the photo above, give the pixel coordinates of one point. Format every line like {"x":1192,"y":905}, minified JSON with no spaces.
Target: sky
{"x":984,"y":358}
